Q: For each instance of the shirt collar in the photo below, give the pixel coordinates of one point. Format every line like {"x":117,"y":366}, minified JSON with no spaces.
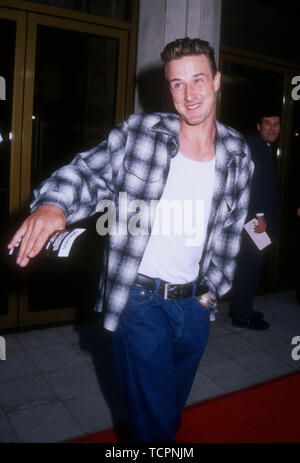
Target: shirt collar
{"x":226,"y":144}
{"x":168,"y":124}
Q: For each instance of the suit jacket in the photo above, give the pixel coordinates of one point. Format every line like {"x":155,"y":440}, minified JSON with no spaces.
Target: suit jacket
{"x":264,"y":194}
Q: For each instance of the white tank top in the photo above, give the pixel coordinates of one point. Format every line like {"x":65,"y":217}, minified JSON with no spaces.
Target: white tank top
{"x":179,"y":228}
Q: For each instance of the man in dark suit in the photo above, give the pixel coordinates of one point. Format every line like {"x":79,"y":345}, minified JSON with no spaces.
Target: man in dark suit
{"x":264,"y":206}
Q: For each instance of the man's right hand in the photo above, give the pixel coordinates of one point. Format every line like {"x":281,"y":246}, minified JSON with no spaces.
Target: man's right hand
{"x":35,"y":231}
{"x":261,"y":224}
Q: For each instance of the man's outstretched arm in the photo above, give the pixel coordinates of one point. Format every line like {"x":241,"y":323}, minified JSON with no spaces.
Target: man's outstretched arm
{"x":71,"y":194}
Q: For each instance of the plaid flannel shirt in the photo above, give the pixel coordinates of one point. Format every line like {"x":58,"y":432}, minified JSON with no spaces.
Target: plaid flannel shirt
{"x":135,"y":159}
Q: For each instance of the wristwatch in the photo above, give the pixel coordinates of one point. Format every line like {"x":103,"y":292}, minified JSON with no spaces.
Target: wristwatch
{"x":208,"y":302}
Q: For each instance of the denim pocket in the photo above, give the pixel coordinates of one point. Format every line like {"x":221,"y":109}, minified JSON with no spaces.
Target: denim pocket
{"x":139,"y":296}
{"x":202,"y":306}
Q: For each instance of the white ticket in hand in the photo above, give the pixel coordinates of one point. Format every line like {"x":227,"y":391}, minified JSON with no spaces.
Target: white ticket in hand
{"x":262,"y":240}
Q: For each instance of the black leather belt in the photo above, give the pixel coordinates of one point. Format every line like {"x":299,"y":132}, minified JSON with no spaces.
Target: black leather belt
{"x":170,"y":290}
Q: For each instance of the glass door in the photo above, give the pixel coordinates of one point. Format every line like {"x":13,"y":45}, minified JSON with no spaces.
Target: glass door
{"x":74,"y":93}
{"x":248,"y":85}
{"x":290,"y":251}
{"x":12,"y":37}
{"x":66,"y":88}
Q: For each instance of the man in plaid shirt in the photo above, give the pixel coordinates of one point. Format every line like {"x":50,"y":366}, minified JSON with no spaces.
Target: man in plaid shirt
{"x":160,"y":289}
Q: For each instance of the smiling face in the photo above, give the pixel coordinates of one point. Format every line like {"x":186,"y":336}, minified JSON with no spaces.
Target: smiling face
{"x":193,"y":88}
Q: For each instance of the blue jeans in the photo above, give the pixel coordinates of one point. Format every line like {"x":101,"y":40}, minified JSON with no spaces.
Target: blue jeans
{"x":158,"y":346}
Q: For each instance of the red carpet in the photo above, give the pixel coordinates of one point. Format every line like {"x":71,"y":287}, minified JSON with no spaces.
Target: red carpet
{"x":268,"y":412}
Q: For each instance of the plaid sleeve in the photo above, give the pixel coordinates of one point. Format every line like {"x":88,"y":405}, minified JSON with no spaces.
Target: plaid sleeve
{"x":78,"y":187}
{"x":220,"y":273}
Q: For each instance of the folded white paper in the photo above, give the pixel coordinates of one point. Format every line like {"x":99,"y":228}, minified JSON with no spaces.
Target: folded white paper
{"x":262,"y":240}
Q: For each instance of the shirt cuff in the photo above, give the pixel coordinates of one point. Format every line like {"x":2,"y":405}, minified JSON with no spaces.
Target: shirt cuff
{"x":259,"y":214}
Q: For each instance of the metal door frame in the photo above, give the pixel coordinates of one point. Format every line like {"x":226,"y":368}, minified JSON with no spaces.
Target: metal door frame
{"x":28,"y":16}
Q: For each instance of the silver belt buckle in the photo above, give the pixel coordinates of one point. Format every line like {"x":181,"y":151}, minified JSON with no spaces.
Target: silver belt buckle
{"x":166,"y":290}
